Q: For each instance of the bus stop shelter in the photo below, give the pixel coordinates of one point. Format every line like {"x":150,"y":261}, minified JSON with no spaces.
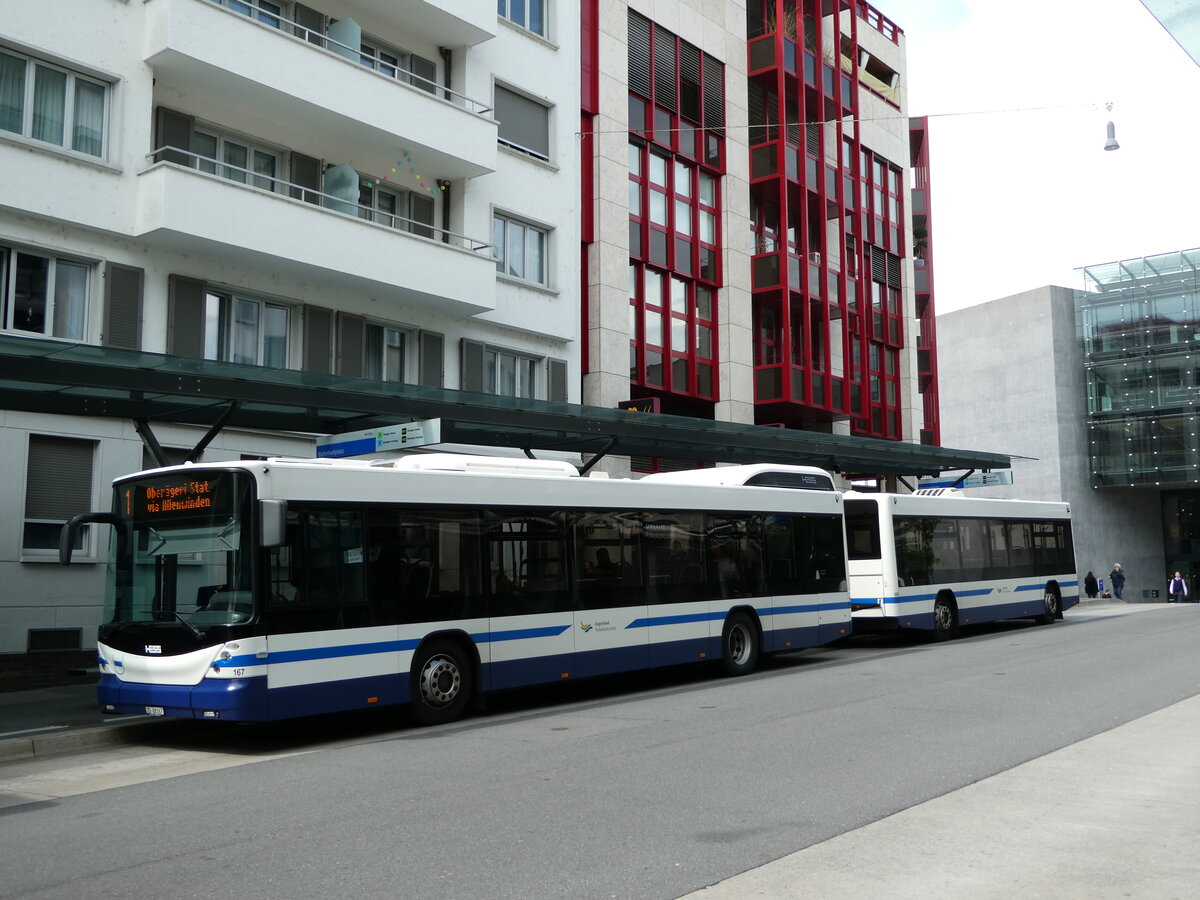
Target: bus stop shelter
{"x":44,"y":376}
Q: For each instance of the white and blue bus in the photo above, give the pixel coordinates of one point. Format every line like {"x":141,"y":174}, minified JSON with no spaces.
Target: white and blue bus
{"x":264,"y":590}
{"x":936,"y":561}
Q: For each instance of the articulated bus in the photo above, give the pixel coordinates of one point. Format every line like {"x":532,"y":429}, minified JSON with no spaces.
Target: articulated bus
{"x":264,"y":590}
{"x":936,"y":561}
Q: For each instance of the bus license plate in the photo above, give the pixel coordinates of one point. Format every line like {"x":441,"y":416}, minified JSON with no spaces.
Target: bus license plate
{"x":155,"y":711}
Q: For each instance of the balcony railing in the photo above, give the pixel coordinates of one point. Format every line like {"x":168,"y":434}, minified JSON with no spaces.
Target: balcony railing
{"x":267,"y":15}
{"x":270,"y":184}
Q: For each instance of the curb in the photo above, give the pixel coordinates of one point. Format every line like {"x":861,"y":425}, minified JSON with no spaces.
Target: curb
{"x":75,"y":740}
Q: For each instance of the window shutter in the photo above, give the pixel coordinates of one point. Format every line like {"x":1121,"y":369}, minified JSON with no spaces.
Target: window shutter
{"x":472,"y":366}
{"x":185,"y":317}
{"x":714,"y":93}
{"x":305,"y":172}
{"x":689,"y":82}
{"x":522,"y":122}
{"x":318,"y":339}
{"x":173,"y":129}
{"x":556,"y":380}
{"x":639,"y":54}
{"x":350,"y":345}
{"x":432,"y":353}
{"x":665,"y":80}
{"x":59,"y":483}
{"x":122,"y":306}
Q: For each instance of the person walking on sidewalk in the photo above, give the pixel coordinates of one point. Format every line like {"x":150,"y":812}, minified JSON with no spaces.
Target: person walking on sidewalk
{"x":1090,"y":586}
{"x":1177,"y":589}
{"x":1117,"y":577}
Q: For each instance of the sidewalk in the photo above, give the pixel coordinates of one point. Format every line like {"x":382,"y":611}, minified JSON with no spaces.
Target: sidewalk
{"x":1113,"y":816}
{"x":63,"y":720}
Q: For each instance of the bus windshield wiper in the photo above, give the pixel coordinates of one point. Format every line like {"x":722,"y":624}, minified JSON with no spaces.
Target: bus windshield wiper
{"x":192,"y":628}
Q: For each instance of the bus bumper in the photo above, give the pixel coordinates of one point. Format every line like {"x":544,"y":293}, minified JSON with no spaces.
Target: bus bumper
{"x":228,"y":699}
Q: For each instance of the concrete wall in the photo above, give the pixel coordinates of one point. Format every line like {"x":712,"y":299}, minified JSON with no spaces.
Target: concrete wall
{"x":1012,"y":381}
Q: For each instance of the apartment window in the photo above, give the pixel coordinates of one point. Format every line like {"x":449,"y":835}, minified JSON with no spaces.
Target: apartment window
{"x":245,"y":330}
{"x":399,"y":64}
{"x":523,"y":124}
{"x":520,"y":249}
{"x":244,"y":162}
{"x":509,"y":374}
{"x":51,"y":104}
{"x":528,"y":14}
{"x":387,"y":352}
{"x":58,"y":486}
{"x":44,"y":295}
{"x":396,"y":208}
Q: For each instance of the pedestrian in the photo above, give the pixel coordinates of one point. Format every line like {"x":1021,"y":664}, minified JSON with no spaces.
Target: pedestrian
{"x":1177,"y":589}
{"x":1090,"y":586}
{"x":1117,"y":577}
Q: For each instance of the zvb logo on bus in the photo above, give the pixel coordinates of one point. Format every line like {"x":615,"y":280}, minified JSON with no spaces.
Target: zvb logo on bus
{"x":598,"y":626}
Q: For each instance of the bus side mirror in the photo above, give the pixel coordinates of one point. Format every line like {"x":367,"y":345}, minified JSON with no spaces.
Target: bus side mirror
{"x":66,"y":538}
{"x":274,"y":522}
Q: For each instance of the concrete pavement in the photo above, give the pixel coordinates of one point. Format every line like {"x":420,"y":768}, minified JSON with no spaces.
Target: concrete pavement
{"x":1116,"y":815}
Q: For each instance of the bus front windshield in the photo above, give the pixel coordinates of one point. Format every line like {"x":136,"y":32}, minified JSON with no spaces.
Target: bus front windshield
{"x":184,"y":553}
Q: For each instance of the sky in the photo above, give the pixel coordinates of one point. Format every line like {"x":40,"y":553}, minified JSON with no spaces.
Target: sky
{"x":1022,"y":193}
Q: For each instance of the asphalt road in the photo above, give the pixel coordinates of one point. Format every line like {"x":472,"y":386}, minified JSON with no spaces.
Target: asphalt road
{"x":646,"y":788}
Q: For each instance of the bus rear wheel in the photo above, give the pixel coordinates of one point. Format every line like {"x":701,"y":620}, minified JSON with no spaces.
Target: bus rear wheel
{"x":739,"y":645}
{"x":945,"y":619}
{"x":1051,"y":606}
{"x":441,"y":683}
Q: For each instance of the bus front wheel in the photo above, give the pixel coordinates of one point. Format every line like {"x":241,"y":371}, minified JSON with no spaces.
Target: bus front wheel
{"x":945,"y":619}
{"x":739,"y":645}
{"x":1051,"y":605}
{"x":441,"y":683}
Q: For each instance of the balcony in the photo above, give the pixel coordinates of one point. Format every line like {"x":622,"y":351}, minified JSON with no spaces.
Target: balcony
{"x":184,"y":209}
{"x":213,"y":53}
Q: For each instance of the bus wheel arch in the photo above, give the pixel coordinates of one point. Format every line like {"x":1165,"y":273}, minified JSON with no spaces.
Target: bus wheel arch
{"x":443,"y":678}
{"x":1051,"y":604}
{"x":741,"y":642}
{"x":945,"y":616}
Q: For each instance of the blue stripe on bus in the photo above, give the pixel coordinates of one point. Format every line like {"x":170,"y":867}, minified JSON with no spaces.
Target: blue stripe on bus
{"x":519,"y":634}
{"x":345,"y":650}
{"x":653,"y":621}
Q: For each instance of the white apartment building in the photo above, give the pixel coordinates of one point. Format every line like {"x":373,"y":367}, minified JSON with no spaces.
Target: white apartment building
{"x":376,"y":189}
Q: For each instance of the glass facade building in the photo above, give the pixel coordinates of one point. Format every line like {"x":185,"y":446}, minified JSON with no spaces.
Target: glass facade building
{"x":1140,"y":325}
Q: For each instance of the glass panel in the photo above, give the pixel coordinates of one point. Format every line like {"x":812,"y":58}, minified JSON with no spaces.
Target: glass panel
{"x":683,"y":179}
{"x":708,"y":227}
{"x":704,"y":307}
{"x":635,"y":198}
{"x":212,"y":326}
{"x":89,"y":118}
{"x":264,"y":165}
{"x":654,"y":288}
{"x":635,"y":160}
{"x":244,"y":344}
{"x":658,"y":170}
{"x":654,"y":327}
{"x":528,"y":368}
{"x":498,"y":240}
{"x":373,"y":352}
{"x":658,"y":208}
{"x":29,"y":293}
{"x":205,"y":145}
{"x":508,"y":375}
{"x":537,"y":16}
{"x":235,"y":155}
{"x":70,"y":299}
{"x":679,"y":335}
{"x":708,"y":189}
{"x":12,"y":93}
{"x":515,"y":254}
{"x":654,"y":368}
{"x":683,"y":217}
{"x":536,"y":244}
{"x":678,"y":296}
{"x":704,"y":342}
{"x":275,"y":321}
{"x":49,"y":102}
